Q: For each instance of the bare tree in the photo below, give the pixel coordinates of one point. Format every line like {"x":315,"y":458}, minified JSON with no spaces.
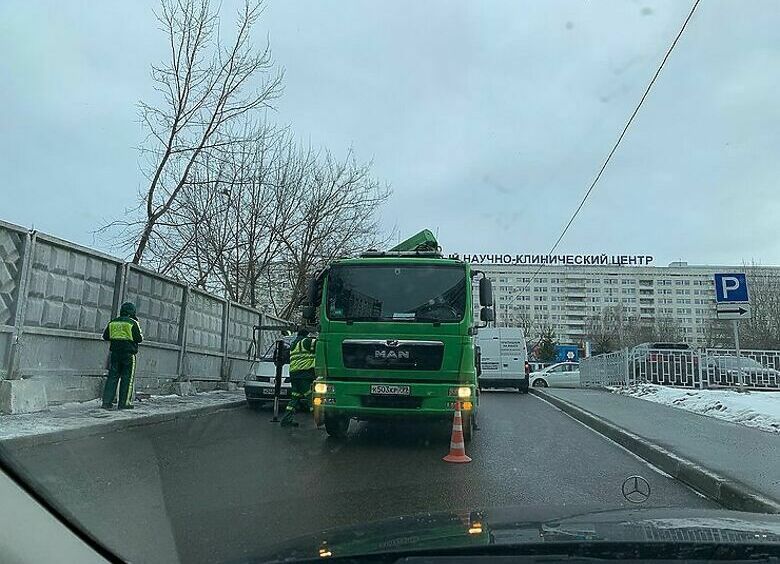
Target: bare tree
{"x":605,"y":330}
{"x":257,"y":219}
{"x":530,"y":324}
{"x":206,"y":86}
{"x":336,"y":215}
{"x":762,"y":329}
{"x":614,"y":328}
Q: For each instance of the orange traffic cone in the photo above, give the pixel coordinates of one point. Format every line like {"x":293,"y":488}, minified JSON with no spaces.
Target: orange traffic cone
{"x":457,"y":445}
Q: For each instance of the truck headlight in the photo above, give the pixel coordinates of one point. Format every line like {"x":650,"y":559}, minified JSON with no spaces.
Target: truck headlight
{"x":464,"y":392}
{"x":320,"y":388}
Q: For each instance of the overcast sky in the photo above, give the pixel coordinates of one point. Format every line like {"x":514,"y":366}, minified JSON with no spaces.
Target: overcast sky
{"x":489,"y":119}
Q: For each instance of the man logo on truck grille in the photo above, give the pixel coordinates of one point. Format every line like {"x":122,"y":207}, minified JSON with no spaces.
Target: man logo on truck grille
{"x":391,"y":355}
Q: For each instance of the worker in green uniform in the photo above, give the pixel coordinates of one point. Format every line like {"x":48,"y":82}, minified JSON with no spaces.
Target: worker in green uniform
{"x":301,"y":376}
{"x":124,"y":332}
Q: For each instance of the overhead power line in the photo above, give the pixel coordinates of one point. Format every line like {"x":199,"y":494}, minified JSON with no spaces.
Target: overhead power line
{"x":619,"y":139}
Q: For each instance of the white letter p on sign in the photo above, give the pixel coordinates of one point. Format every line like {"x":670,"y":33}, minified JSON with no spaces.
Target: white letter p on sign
{"x":729,"y":283}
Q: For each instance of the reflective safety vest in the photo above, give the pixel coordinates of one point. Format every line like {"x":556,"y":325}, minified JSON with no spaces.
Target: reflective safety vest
{"x":301,"y":356}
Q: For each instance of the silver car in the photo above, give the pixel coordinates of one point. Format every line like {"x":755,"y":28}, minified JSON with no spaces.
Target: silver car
{"x":559,"y":375}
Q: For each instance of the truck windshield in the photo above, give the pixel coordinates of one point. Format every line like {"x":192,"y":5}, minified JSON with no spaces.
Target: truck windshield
{"x":396,"y":293}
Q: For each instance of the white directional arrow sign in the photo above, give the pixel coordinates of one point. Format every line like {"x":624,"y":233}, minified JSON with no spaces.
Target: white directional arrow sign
{"x":733,"y":311}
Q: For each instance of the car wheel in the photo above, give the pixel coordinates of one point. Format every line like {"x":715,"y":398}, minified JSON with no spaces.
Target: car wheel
{"x":539,"y":383}
{"x":336,"y":426}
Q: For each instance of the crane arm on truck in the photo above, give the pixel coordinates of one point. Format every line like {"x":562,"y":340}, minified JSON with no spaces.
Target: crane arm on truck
{"x":421,"y":242}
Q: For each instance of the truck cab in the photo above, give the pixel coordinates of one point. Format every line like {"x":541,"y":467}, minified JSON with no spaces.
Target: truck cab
{"x":396,"y":337}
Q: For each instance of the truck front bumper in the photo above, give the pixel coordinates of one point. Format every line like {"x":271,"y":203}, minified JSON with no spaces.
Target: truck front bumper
{"x":360,"y":399}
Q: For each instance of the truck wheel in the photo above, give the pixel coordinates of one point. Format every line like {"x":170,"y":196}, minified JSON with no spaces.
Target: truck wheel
{"x":337,"y":426}
{"x":522,"y":389}
{"x":317,"y":415}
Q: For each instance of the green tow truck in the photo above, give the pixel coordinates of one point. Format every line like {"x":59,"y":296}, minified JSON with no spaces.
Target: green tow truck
{"x":396,"y":336}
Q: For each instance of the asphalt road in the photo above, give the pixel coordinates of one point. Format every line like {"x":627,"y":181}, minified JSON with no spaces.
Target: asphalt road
{"x":224,"y":486}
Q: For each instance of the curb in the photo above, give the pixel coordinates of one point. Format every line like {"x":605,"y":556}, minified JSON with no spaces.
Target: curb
{"x":30,"y":441}
{"x":729,"y":493}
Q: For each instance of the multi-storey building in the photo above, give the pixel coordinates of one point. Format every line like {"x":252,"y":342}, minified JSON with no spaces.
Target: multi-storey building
{"x":564,"y":297}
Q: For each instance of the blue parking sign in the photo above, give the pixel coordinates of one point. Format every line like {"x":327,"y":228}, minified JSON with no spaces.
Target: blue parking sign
{"x":731,"y":287}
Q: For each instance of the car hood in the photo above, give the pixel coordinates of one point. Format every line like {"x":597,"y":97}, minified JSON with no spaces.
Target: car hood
{"x":525,"y":526}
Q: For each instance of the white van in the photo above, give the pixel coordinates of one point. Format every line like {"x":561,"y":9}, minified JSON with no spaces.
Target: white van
{"x":503,"y":359}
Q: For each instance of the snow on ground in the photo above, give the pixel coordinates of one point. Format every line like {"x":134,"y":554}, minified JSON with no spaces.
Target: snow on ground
{"x":84,"y":414}
{"x":753,"y":409}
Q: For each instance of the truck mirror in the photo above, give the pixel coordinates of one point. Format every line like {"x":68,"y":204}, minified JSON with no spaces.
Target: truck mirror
{"x":485,"y":292}
{"x":309,"y":313}
{"x":311,"y":292}
{"x":486,"y":314}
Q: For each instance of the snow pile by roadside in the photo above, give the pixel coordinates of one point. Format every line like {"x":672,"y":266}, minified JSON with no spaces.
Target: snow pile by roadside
{"x":85,"y":414}
{"x":755,"y":409}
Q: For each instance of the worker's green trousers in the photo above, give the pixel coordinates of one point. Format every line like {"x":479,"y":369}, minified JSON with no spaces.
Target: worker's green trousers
{"x":300,"y":395}
{"x":121,"y":370}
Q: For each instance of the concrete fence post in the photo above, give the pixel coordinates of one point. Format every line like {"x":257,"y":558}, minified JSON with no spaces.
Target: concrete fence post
{"x":225,"y":364}
{"x":14,"y":371}
{"x":182,"y":335}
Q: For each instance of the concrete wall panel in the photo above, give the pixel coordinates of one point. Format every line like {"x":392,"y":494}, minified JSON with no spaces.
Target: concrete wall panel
{"x":242,"y":322}
{"x":204,"y":321}
{"x":199,"y":366}
{"x":11,"y":249}
{"x":158,"y":302}
{"x":69,"y":290}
